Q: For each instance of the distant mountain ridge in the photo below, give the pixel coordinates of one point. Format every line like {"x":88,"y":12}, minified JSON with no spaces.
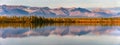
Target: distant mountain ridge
{"x":46,"y":11}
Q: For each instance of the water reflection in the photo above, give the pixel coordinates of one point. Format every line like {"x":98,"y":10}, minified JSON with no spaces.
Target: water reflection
{"x":25,"y":30}
{"x":59,"y":34}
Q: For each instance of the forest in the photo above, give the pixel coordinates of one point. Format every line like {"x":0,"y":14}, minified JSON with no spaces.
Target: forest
{"x":39,"y":19}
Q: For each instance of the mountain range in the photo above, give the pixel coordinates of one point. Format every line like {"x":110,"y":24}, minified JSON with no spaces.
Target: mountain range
{"x":18,"y":10}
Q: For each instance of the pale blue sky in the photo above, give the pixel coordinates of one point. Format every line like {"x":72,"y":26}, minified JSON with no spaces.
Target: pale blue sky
{"x":64,"y":3}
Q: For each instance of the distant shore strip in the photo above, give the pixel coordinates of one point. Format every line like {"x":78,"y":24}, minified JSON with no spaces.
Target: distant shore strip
{"x":39,"y":19}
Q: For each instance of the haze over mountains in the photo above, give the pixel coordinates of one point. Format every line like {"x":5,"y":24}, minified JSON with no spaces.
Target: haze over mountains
{"x":11,"y":10}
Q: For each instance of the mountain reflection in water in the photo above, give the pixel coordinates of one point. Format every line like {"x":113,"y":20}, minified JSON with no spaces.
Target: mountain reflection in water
{"x":25,"y":30}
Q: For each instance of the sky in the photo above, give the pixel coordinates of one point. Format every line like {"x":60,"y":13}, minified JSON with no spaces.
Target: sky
{"x":64,"y":3}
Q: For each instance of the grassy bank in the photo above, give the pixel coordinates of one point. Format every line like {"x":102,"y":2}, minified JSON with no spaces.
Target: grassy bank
{"x":37,"y":19}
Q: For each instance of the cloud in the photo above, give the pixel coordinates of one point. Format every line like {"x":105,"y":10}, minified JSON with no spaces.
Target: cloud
{"x":62,"y":3}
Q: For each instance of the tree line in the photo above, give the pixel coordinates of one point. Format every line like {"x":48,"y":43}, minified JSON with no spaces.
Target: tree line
{"x":39,"y":19}
{"x":23,"y":19}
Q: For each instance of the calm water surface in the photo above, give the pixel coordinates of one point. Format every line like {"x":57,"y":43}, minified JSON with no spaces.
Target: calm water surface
{"x":60,"y":35}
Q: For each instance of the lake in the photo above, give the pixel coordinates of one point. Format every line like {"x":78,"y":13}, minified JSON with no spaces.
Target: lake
{"x":59,"y":34}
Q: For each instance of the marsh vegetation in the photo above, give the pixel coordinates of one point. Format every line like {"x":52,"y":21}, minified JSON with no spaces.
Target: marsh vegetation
{"x":38,"y":19}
